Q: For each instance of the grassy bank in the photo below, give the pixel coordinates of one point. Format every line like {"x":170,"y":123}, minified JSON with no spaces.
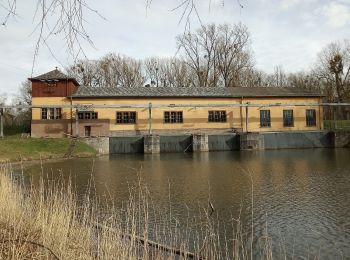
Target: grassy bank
{"x":15,"y":148}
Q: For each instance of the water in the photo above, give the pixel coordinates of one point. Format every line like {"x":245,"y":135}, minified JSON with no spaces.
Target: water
{"x":300,"y":197}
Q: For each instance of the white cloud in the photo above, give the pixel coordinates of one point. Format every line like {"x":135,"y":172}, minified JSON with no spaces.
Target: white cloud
{"x":301,"y":4}
{"x":337,"y":14}
{"x":286,"y":4}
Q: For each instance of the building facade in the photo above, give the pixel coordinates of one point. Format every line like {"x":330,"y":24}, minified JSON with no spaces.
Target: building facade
{"x":62,"y":108}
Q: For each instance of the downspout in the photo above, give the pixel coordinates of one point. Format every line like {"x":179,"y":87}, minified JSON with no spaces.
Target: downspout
{"x":241,"y":113}
{"x":320,"y":115}
{"x":150,"y":118}
{"x":71,"y":115}
{"x":246,"y":118}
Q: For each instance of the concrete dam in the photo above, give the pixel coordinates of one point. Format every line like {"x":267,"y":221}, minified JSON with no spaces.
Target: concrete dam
{"x":218,"y":142}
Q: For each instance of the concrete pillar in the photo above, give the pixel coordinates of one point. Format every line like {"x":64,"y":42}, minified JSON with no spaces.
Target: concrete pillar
{"x":200,"y":143}
{"x":151,"y":144}
{"x":340,"y":139}
{"x":101,"y":144}
{"x":251,"y":141}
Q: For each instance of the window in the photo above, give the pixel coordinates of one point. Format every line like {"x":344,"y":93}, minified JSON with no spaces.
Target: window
{"x":288,"y":119}
{"x":217,"y":116}
{"x":173,"y":117}
{"x":126,"y":117}
{"x":51,"y":113}
{"x":44,"y":113}
{"x":310,"y":117}
{"x":87,"y":115}
{"x":265,"y":119}
{"x":58,"y":113}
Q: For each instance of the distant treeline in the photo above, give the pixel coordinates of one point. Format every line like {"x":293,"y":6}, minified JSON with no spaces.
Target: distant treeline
{"x":218,"y":55}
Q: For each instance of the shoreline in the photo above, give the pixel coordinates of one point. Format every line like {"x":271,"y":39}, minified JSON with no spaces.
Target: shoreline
{"x":30,"y":162}
{"x":16,"y":151}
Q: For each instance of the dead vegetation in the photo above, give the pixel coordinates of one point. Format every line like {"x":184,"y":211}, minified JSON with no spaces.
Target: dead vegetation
{"x":47,"y":221}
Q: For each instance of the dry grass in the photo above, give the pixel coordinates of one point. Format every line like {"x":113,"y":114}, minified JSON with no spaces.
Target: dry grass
{"x":47,"y":222}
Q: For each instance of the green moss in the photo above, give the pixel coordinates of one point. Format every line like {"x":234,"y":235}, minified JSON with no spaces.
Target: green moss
{"x":15,"y":148}
{"x":340,"y":124}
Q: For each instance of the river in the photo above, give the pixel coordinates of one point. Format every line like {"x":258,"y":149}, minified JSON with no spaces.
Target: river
{"x":301,"y":198}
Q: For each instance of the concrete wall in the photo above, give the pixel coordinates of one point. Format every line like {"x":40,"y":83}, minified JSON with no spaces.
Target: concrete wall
{"x":317,"y":139}
{"x":232,"y":142}
{"x":180,"y":143}
{"x":101,"y":144}
{"x":223,"y":142}
{"x":126,"y":144}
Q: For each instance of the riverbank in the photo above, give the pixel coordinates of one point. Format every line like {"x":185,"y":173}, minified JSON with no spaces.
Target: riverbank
{"x":14,"y":149}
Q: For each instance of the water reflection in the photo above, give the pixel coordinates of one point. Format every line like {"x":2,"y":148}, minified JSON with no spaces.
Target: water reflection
{"x":302,"y":197}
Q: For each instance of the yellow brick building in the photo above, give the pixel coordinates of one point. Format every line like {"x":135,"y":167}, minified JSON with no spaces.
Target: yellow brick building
{"x":62,"y":107}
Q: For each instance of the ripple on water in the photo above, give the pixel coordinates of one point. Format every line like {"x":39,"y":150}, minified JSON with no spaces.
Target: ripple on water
{"x":302,"y":197}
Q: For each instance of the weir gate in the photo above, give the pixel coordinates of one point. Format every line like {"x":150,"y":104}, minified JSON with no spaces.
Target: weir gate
{"x":183,"y":143}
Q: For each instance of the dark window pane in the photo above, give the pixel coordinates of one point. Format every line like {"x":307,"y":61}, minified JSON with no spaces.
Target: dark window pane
{"x":87,"y":115}
{"x":173,"y":117}
{"x":310,"y":117}
{"x":126,"y":117}
{"x":58,"y":113}
{"x":288,"y":119}
{"x":217,"y":116}
{"x":44,"y":113}
{"x":265,"y":119}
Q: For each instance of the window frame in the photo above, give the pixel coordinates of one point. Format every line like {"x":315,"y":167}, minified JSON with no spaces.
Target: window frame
{"x":313,"y":121}
{"x":87,"y":115}
{"x":288,"y":121}
{"x":51,"y":113}
{"x":265,"y":124}
{"x":124,"y":115}
{"x":174,"y":117}
{"x":44,"y":111}
{"x":217,"y":116}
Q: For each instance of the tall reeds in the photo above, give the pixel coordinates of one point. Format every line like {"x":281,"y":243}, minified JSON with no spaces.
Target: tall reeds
{"x":47,"y":221}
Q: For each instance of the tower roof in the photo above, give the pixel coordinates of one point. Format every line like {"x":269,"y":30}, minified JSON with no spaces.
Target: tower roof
{"x":55,"y":74}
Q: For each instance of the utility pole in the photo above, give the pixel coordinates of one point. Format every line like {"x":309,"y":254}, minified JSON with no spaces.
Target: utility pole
{"x":76,"y":122}
{"x":1,"y":123}
{"x":150,"y":118}
{"x":246,"y":118}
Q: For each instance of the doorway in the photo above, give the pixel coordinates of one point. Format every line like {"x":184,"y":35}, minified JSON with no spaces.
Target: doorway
{"x":87,"y":130}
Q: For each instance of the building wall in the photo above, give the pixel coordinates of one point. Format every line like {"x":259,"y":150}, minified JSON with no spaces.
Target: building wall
{"x":195,"y":118}
{"x":50,"y":128}
{"x":276,"y":113}
{"x":62,"y":88}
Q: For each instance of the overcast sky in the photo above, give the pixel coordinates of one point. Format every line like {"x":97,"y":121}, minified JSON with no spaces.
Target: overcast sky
{"x":289,"y":33}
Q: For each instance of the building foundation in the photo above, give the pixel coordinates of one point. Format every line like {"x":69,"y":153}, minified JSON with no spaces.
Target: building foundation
{"x":151,"y":144}
{"x":200,"y":143}
{"x":251,"y":141}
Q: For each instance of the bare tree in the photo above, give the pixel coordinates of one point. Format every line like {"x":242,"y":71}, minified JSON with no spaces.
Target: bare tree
{"x":198,"y":57}
{"x":110,"y":71}
{"x":233,"y":53}
{"x":59,"y":19}
{"x":166,"y":72}
{"x":25,"y":93}
{"x":252,"y":77}
{"x":216,"y":55}
{"x":333,"y":70}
